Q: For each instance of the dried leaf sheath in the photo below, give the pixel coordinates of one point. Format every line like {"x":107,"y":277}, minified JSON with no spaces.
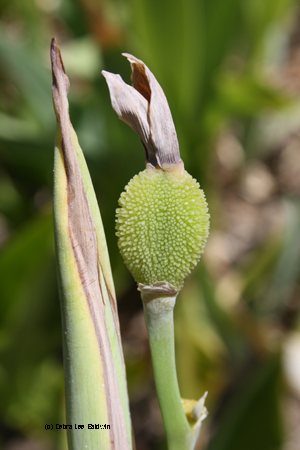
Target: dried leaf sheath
{"x":93,"y":280}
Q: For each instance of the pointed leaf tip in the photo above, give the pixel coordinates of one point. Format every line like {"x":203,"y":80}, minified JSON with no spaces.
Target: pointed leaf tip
{"x":199,"y":411}
{"x":61,"y":84}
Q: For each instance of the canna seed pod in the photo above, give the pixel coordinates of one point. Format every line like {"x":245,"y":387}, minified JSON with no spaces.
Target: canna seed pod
{"x":162,"y":226}
{"x":163,"y":221}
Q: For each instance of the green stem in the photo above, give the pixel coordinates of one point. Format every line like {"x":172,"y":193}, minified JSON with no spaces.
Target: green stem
{"x":158,"y":310}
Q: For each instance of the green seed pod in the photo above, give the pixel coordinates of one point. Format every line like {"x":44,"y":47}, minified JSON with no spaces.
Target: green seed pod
{"x":162,"y":225}
{"x":163,"y":220}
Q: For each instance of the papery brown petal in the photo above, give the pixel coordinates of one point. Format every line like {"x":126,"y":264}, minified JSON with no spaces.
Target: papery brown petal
{"x":129,"y":104}
{"x":163,"y":137}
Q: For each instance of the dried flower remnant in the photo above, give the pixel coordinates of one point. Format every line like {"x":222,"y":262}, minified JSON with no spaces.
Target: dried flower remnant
{"x":163,"y":220}
{"x":144,"y":108}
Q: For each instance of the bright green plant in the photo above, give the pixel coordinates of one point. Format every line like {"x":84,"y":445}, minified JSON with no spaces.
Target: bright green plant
{"x":213,"y":60}
{"x":163,"y":224}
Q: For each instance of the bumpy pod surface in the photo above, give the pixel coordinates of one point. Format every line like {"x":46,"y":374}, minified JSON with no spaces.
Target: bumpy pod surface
{"x":162,"y":226}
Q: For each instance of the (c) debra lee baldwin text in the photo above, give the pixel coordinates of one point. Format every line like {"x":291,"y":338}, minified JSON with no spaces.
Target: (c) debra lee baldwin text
{"x":90,"y":426}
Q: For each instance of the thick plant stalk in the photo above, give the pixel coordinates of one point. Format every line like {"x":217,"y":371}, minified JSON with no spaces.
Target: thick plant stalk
{"x":162,"y":225}
{"x":96,"y":392}
{"x":182,"y":419}
{"x":159,"y":304}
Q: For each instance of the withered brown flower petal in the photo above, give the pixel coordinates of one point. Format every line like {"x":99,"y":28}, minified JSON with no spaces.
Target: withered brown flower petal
{"x":145,"y":109}
{"x":129,"y":104}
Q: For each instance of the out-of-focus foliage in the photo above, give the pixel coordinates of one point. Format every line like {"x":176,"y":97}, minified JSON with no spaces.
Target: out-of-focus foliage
{"x":230,"y":70}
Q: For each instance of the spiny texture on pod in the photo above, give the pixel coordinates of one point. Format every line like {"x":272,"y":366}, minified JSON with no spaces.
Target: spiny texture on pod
{"x":162,"y":225}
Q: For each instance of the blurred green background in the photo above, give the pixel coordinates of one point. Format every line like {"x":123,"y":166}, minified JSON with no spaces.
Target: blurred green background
{"x":231,"y":72}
